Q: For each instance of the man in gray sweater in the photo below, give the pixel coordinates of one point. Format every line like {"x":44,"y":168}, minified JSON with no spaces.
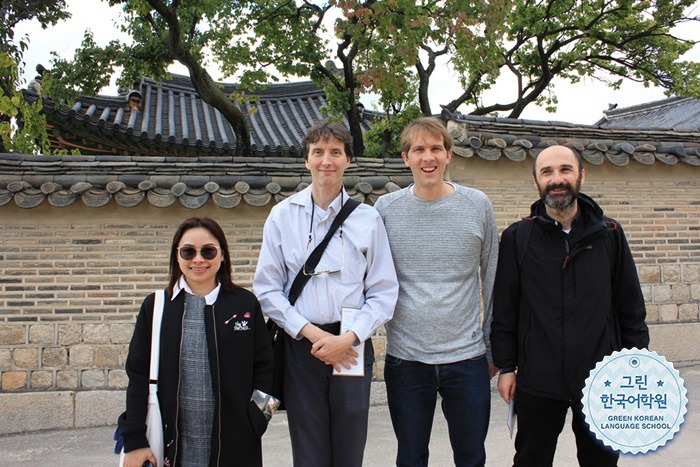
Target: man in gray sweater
{"x":443,"y":239}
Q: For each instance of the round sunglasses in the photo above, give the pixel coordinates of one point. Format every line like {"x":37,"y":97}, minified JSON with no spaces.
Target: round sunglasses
{"x":189,"y":252}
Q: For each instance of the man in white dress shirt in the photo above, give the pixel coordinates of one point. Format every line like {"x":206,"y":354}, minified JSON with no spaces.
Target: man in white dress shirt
{"x":327,"y":414}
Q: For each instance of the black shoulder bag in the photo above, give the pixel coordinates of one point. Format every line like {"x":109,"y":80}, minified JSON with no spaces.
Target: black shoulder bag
{"x":277,"y":334}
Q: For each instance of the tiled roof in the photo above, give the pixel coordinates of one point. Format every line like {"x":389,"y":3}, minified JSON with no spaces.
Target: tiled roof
{"x":675,"y":113}
{"x":174,"y":121}
{"x":491,"y":138}
{"x":193,"y":181}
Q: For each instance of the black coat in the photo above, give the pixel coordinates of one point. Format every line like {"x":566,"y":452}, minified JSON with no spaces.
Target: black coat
{"x":568,"y":306}
{"x":240,"y":358}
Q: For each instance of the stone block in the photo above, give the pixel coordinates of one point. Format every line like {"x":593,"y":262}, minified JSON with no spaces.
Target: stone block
{"x":677,"y":342}
{"x":54,"y":357}
{"x":661,"y":293}
{"x":680,"y":293}
{"x":69,"y":334}
{"x":646,"y":293}
{"x":117,"y":379}
{"x":12,"y":334}
{"x":691,"y":273}
{"x":378,"y":370}
{"x":96,"y":333}
{"x":649,"y":274}
{"x":120,"y":333}
{"x":41,"y":379}
{"x":671,"y":273}
{"x":5,"y":359}
{"x":377,"y":394}
{"x":92,"y":379}
{"x":34,"y":411}
{"x":42,"y":334}
{"x":26,"y":357}
{"x":652,"y":313}
{"x":688,"y":312}
{"x":668,"y":312}
{"x":98,"y":408}
{"x":81,"y":356}
{"x":106,"y":356}
{"x":379,"y":348}
{"x":695,"y":291}
{"x":123,"y":354}
{"x":67,"y":379}
{"x":12,"y":380}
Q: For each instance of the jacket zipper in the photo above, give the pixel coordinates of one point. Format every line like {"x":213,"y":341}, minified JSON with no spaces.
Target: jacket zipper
{"x":179,"y":376}
{"x":218,"y":383}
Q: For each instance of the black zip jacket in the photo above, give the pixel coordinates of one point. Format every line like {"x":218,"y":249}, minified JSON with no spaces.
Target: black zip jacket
{"x":567,"y":307}
{"x":240,"y":358}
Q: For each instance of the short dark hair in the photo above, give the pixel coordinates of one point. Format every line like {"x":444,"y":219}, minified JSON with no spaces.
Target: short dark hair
{"x":223,"y":275}
{"x":323,"y":130}
{"x":425,"y":125}
{"x":570,"y":147}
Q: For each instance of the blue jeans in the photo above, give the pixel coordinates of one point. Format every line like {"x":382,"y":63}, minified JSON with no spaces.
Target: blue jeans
{"x":412,"y":389}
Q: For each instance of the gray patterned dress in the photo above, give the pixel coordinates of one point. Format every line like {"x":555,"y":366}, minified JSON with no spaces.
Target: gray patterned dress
{"x":196,"y":403}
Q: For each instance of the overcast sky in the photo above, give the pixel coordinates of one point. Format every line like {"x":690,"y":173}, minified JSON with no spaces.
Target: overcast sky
{"x":581,"y":103}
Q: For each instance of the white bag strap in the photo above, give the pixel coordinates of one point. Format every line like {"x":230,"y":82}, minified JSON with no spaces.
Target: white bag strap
{"x":158,"y":308}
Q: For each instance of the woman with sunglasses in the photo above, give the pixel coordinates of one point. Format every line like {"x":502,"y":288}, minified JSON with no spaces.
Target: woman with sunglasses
{"x":215,"y":351}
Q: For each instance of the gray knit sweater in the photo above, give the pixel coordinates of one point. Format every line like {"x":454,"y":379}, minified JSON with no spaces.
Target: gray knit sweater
{"x":440,"y":247}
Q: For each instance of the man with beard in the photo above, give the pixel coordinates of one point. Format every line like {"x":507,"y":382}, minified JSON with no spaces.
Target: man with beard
{"x":566,"y":295}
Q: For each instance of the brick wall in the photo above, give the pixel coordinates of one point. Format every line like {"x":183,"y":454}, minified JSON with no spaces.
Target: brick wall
{"x":72,"y":279}
{"x":658,"y":207}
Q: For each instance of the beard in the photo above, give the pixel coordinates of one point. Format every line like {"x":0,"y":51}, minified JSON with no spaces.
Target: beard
{"x":560,"y":201}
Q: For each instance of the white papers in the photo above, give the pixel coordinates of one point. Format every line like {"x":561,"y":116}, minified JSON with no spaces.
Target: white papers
{"x":347,"y":319}
{"x":510,"y":418}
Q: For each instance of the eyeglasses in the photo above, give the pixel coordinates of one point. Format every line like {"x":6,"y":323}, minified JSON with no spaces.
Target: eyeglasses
{"x":189,"y":252}
{"x":327,"y":271}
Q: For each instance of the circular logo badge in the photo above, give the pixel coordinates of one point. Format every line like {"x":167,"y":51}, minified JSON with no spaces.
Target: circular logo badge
{"x":634,"y":401}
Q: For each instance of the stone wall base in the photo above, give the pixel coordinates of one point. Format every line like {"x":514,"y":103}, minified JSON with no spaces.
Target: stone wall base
{"x":36,"y":411}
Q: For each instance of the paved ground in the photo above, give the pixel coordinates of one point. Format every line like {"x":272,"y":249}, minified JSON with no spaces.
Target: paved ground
{"x":93,"y":446}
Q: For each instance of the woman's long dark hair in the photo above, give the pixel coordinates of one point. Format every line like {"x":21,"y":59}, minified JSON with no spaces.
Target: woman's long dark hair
{"x":223,"y":275}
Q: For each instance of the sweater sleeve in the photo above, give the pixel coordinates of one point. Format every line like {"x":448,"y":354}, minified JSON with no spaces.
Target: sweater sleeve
{"x":489,"y":258}
{"x":506,"y":303}
{"x":132,"y":423}
{"x":627,"y":297}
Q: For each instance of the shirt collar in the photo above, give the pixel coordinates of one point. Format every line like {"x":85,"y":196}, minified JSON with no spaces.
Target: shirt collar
{"x":182,"y":284}
{"x":304,"y":199}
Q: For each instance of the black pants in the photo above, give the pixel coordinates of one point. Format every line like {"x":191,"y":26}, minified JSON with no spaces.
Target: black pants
{"x":327,"y":414}
{"x":540,"y":421}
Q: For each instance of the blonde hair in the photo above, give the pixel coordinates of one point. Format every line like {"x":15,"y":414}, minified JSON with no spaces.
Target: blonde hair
{"x":425,"y":125}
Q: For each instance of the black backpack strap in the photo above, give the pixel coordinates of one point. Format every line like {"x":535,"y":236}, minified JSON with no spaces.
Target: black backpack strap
{"x":522,"y":238}
{"x":315,"y":256}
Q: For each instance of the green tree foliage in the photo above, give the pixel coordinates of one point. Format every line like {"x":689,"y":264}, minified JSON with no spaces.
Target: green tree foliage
{"x":161,"y":32}
{"x":566,"y":39}
{"x":21,"y":124}
{"x":392,"y":48}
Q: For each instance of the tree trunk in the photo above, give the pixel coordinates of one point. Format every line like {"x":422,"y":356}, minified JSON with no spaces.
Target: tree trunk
{"x":214,"y":96}
{"x":358,"y":144}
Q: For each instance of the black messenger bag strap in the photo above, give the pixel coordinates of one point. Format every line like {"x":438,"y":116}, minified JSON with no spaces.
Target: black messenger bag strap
{"x":315,"y":256}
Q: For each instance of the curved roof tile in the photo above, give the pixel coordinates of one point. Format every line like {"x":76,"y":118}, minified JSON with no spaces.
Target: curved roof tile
{"x":173,"y":120}
{"x":129,"y":180}
{"x":492,"y":138}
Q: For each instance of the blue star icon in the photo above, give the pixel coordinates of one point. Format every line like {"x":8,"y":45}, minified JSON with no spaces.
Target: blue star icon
{"x":607,"y":384}
{"x":660,"y":383}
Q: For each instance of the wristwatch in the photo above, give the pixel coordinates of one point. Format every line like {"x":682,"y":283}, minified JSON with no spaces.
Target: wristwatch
{"x":508,"y":369}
